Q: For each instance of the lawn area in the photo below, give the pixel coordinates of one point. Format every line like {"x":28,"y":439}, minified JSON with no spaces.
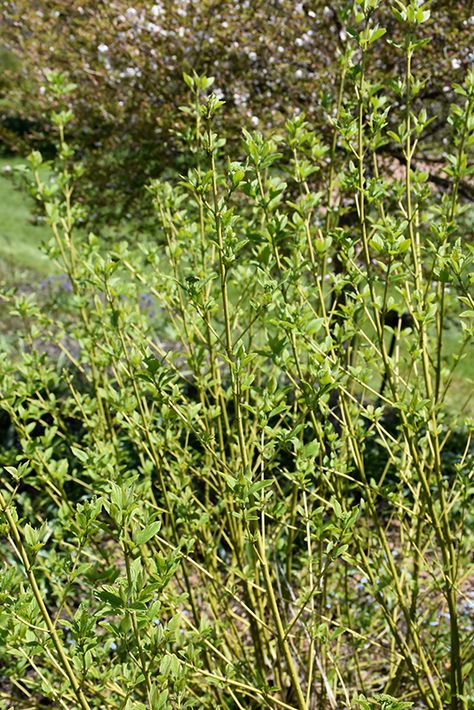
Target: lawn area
{"x":460,"y":396}
{"x":20,"y":240}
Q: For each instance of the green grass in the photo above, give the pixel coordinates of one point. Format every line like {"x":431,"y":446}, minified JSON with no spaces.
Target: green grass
{"x":23,"y":263}
{"x":21,"y":256}
{"x":460,"y":396}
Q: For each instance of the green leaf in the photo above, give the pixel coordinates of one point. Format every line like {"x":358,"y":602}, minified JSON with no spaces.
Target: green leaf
{"x":376,"y":34}
{"x":311,"y":449}
{"x":277,"y":410}
{"x":143,"y":536}
{"x":159,"y":699}
{"x":108,"y":594}
{"x":256,"y":487}
{"x":79,"y":454}
{"x":388,"y":702}
{"x":189,"y":81}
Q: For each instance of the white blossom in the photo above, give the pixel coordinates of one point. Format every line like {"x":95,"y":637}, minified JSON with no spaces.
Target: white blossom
{"x":156,"y":10}
{"x":132,"y":72}
{"x":102,"y":48}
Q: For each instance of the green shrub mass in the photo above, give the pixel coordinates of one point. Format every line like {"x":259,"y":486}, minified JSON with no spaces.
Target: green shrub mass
{"x":234,"y":474}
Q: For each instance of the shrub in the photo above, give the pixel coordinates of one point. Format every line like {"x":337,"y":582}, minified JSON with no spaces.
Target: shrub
{"x":226,"y":486}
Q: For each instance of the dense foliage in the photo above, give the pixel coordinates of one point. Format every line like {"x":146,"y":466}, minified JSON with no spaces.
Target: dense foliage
{"x":232,"y":475}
